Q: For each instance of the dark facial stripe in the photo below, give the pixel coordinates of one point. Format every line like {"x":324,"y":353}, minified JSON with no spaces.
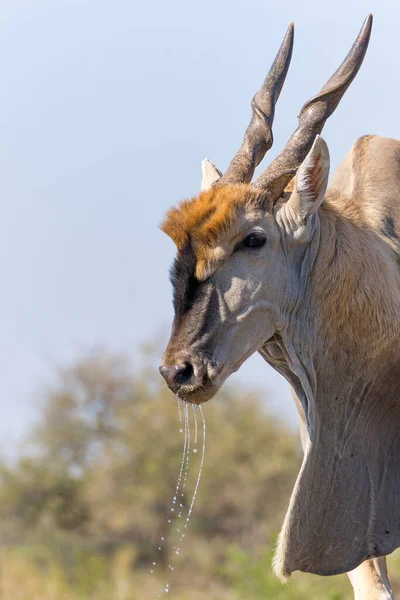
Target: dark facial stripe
{"x":184,"y":282}
{"x":388,"y":228}
{"x":201,"y":322}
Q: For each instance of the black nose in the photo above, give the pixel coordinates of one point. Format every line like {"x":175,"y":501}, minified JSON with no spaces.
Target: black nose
{"x":177,"y":376}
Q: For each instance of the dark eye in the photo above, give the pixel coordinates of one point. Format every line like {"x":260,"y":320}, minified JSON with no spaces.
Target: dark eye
{"x":254,"y":240}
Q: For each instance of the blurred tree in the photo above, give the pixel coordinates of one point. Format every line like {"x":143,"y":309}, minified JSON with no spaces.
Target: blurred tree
{"x":35,"y":493}
{"x":91,"y":497}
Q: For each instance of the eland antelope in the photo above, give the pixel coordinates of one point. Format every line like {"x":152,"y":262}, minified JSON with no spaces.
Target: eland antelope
{"x":308,"y":275}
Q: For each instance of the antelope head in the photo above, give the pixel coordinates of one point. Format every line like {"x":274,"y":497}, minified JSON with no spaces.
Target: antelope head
{"x":244,"y":250}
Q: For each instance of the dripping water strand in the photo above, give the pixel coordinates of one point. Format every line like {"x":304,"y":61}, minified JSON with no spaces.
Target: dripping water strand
{"x":194,"y":407}
{"x":185,"y":460}
{"x":184,"y":463}
{"x":178,"y":483}
{"x":179,"y":409}
{"x":181,"y":485}
{"x":166,"y":589}
{"x":203,"y":452}
{"x":186,"y":451}
{"x":187,"y":432}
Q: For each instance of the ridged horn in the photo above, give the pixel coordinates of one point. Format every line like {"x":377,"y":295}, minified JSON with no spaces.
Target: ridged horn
{"x":313,"y":116}
{"x":258,"y":137}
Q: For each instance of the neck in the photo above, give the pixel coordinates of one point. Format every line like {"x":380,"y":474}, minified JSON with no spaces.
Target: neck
{"x":341,"y":355}
{"x":348,"y":320}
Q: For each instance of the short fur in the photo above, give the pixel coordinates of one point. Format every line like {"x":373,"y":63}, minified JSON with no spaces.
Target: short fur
{"x":316,"y":290}
{"x":204,"y":218}
{"x":340,"y":351}
{"x":203,"y":221}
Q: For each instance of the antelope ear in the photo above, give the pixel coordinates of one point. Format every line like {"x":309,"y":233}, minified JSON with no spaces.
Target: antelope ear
{"x":210,"y":174}
{"x":311,"y":181}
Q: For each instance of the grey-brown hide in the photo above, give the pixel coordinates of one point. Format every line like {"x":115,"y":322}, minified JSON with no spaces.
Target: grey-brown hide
{"x":345,"y":505}
{"x":220,"y":322}
{"x":321,"y":301}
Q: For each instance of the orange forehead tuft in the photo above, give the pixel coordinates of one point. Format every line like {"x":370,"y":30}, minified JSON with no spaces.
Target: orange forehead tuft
{"x":205,"y":218}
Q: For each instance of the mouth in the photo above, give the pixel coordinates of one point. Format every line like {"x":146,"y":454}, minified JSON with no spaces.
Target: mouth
{"x":198,"y":396}
{"x":193,"y":377}
{"x":210,"y":385}
{"x":204,"y":392}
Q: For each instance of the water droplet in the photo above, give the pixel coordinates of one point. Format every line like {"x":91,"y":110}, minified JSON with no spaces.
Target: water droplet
{"x":154,"y":563}
{"x":195,"y":450}
{"x":152,"y":571}
{"x":159,"y":547}
{"x":172,"y":509}
{"x":181,"y":505}
{"x":180,"y":430}
{"x":162,"y":538}
{"x":169,"y":520}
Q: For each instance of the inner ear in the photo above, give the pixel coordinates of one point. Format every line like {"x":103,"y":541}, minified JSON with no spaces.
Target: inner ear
{"x":211,"y":174}
{"x":311,"y":180}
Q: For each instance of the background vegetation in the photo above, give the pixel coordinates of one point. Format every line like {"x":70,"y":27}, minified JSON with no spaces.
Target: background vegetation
{"x":84,"y":506}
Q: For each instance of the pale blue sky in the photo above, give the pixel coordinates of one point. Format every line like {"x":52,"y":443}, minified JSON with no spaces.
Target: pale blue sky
{"x":106,"y":111}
